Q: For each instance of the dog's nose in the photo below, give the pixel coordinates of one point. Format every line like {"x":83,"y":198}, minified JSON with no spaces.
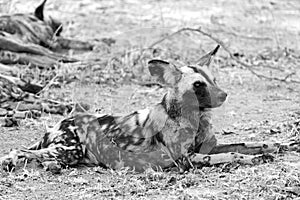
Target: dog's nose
{"x":223,"y":96}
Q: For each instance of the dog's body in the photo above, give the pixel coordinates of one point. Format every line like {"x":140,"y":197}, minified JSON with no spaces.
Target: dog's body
{"x":157,"y":137}
{"x":138,"y":140}
{"x":175,"y":132}
{"x":31,"y":28}
{"x":147,"y":138}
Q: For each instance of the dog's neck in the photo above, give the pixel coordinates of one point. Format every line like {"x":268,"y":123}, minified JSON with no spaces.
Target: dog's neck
{"x":176,"y":110}
{"x":170,"y":111}
{"x":172,"y":107}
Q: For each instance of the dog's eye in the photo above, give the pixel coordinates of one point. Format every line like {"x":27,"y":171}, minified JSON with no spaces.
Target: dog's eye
{"x":198,"y":84}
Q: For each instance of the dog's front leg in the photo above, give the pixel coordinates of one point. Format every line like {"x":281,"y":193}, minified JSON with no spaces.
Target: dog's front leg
{"x":254,"y":148}
{"x":231,"y":157}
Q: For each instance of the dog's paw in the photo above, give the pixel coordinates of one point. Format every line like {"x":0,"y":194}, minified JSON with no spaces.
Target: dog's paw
{"x":52,"y":166}
{"x":9,"y":161}
{"x":265,"y":158}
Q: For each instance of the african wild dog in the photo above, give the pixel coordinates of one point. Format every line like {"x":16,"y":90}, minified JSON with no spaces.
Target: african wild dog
{"x":21,"y":29}
{"x":31,"y":27}
{"x":178,"y":125}
{"x":176,"y":131}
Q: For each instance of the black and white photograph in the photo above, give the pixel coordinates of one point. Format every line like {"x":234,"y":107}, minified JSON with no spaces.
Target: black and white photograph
{"x":153,"y":99}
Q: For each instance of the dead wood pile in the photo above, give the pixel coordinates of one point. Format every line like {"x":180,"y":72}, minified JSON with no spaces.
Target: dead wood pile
{"x":31,"y":41}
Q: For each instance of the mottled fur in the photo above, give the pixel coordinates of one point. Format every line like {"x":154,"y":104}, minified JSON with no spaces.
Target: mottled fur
{"x":158,"y":137}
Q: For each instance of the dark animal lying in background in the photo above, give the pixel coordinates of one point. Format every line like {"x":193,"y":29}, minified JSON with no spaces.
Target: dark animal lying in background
{"x":175,"y":132}
{"x":32,"y":38}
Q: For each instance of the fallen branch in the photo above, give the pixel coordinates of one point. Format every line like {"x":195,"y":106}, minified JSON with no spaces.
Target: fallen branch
{"x":7,"y":68}
{"x":221,"y":43}
{"x":19,"y":100}
{"x":147,"y":84}
{"x":244,"y":153}
{"x":235,"y":34}
{"x":25,"y":86}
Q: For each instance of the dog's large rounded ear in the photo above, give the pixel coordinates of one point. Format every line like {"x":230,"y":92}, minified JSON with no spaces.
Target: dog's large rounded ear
{"x":206,"y":59}
{"x":55,"y":25}
{"x":39,"y":11}
{"x":166,"y":73}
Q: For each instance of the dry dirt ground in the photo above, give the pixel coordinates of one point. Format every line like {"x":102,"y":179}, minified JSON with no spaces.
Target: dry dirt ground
{"x":258,"y":32}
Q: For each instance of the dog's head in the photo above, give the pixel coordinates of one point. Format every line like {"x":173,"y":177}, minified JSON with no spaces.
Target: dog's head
{"x":55,"y":25}
{"x":192,"y":86}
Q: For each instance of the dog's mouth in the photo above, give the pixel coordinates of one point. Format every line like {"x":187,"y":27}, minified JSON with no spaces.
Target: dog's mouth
{"x":216,"y":99}
{"x":211,"y":102}
{"x":216,"y":105}
{"x":210,"y":98}
{"x":202,"y":106}
{"x":209,"y":106}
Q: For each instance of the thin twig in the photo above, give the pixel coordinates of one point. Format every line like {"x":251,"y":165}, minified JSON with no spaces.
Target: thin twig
{"x":267,"y":66}
{"x":151,"y":46}
{"x":222,"y":44}
{"x":166,"y":37}
{"x":7,"y":68}
{"x":47,"y":86}
{"x":247,"y":37}
{"x":247,"y":66}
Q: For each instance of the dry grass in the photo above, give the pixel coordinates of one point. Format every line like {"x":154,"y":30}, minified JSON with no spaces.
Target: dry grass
{"x":256,"y":109}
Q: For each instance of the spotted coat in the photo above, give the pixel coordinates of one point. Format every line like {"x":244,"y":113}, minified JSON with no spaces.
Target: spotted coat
{"x":158,"y":137}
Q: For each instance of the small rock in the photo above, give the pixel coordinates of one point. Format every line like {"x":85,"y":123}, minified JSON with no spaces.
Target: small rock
{"x":80,"y":181}
{"x":3,"y":112}
{"x":227,"y":132}
{"x":9,"y":122}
